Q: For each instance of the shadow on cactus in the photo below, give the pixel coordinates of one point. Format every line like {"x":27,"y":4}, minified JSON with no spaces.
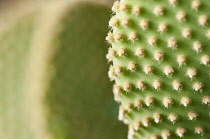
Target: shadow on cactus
{"x":79,"y":97}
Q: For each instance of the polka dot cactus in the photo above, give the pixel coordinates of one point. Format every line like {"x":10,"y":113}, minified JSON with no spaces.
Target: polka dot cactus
{"x":160,"y":62}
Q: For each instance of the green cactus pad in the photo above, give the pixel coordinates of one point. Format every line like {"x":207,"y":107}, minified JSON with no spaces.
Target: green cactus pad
{"x":78,"y":99}
{"x":53,"y":73}
{"x":161,"y":66}
{"x":15,"y":44}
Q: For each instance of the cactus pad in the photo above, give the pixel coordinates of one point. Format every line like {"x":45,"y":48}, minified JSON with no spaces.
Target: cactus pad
{"x":53,"y":73}
{"x":77,"y":99}
{"x":161,"y":58}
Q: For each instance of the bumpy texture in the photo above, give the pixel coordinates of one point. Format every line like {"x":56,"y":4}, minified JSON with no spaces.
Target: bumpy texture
{"x":160,"y":56}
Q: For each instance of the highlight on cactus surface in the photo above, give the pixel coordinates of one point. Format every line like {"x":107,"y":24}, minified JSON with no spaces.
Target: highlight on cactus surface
{"x":160,"y":63}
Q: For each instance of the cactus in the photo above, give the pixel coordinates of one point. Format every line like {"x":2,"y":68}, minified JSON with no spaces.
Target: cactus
{"x":160,"y":56}
{"x":13,"y":108}
{"x":53,"y":83}
{"x":78,"y":90}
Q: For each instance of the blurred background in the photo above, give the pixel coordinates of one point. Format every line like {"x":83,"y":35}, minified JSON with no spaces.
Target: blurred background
{"x":53,"y":71}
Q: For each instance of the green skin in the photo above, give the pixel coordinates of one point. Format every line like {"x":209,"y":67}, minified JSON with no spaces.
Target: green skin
{"x":77,"y":101}
{"x":184,"y":47}
{"x":13,"y":90}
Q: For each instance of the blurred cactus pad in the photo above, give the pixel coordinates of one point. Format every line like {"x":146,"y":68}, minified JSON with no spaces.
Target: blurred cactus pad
{"x":160,"y":63}
{"x":57,"y":89}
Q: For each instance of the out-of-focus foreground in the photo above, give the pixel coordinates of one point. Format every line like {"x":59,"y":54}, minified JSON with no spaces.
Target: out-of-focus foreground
{"x":53,"y":72}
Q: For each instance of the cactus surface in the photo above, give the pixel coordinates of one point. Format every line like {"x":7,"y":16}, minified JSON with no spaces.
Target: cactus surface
{"x":52,"y":85}
{"x":161,"y":58}
{"x":12,"y":84}
{"x":79,"y":105}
